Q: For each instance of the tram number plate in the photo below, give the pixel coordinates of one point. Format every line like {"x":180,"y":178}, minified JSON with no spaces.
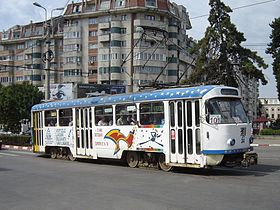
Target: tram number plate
{"x":215,"y":119}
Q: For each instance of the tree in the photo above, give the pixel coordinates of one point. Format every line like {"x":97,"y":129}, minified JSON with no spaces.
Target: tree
{"x":274,"y":50}
{"x":221,"y":58}
{"x":15,"y":104}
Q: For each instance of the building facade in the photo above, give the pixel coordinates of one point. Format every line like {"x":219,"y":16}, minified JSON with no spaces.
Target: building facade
{"x":22,"y":52}
{"x":270,"y":108}
{"x":118,"y":42}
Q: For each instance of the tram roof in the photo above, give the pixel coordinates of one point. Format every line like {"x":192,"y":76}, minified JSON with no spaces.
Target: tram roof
{"x":162,"y":94}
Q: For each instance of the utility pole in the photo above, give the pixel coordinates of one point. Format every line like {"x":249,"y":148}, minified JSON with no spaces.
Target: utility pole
{"x":47,"y":67}
{"x":109,"y":57}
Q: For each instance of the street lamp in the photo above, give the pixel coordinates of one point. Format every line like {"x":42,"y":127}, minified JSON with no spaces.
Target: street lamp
{"x":47,"y":67}
{"x":46,"y":13}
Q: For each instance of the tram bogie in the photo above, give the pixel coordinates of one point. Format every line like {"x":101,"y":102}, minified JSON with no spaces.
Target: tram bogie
{"x":198,"y":127}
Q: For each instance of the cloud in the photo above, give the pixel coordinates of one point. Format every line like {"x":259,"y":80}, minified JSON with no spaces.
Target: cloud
{"x":21,"y":12}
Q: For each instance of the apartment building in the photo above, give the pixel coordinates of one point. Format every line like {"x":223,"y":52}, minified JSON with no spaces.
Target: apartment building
{"x":119,"y":42}
{"x":22,"y":51}
{"x":125,"y":42}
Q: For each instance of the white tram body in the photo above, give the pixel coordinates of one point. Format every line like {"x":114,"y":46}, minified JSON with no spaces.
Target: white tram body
{"x":199,"y":127}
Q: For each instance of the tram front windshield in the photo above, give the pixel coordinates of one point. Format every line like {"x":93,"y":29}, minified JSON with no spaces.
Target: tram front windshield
{"x":225,"y":111}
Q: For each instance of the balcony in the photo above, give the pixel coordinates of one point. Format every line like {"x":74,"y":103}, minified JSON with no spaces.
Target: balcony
{"x":103,"y":38}
{"x":6,"y":53}
{"x":103,"y":25}
{"x":151,"y":23}
{"x":114,"y":76}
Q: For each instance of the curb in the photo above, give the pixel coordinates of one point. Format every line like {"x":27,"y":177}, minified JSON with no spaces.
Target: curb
{"x":23,"y":148}
{"x":265,"y":145}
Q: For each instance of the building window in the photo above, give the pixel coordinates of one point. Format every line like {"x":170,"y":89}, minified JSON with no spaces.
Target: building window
{"x":92,"y":21}
{"x":93,"y":33}
{"x":73,"y":60}
{"x":123,"y":30}
{"x":272,"y":116}
{"x":105,"y":4}
{"x":71,"y":47}
{"x":92,"y":71}
{"x":20,"y":46}
{"x":91,"y":8}
{"x":150,"y":17}
{"x":151,"y":3}
{"x":120,"y":3}
{"x":92,"y":59}
{"x":123,"y":43}
{"x":92,"y":46}
{"x":124,"y":17}
{"x":71,"y":35}
{"x":77,"y":8}
{"x":73,"y":72}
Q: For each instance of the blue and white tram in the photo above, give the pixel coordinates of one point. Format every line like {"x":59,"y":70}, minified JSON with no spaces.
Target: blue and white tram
{"x":198,"y":127}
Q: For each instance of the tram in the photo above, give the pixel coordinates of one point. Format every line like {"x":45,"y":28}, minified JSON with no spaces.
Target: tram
{"x":199,"y":127}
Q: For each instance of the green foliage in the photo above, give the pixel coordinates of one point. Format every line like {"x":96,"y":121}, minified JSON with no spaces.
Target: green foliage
{"x":269,"y":131}
{"x":19,"y":140}
{"x":274,"y":50}
{"x":15,"y":104}
{"x":221,"y":58}
{"x":276,"y":124}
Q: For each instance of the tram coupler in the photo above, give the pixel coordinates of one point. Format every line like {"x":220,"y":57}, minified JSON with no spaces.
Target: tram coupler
{"x":249,"y":158}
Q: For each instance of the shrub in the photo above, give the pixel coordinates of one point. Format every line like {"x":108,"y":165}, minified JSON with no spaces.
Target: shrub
{"x":17,"y":140}
{"x":269,"y":131}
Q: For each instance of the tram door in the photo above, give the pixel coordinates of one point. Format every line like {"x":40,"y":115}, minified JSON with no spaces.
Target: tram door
{"x":84,"y":132}
{"x":37,"y":135}
{"x":185,"y":138}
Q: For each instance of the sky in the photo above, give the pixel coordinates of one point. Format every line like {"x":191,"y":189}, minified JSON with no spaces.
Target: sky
{"x":253,"y":21}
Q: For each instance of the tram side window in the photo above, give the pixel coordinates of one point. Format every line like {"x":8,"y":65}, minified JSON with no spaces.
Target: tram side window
{"x":50,"y":118}
{"x":126,"y":114}
{"x":152,"y":113}
{"x":65,"y":117}
{"x":103,"y":115}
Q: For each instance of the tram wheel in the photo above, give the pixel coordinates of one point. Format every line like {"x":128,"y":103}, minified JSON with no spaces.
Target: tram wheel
{"x":162,"y":165}
{"x":70,"y":156}
{"x":53,"y":153}
{"x":132,"y":159}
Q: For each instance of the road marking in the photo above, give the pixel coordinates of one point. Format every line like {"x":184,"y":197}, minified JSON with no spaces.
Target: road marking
{"x":267,"y":158}
{"x":245,"y":170}
{"x":265,"y":145}
{"x":21,"y":152}
{"x":7,"y":154}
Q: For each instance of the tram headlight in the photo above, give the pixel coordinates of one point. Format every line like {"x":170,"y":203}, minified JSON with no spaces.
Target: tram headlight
{"x":231,"y":142}
{"x":251,"y":139}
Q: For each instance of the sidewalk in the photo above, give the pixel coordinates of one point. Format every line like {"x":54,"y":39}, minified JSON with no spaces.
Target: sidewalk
{"x":21,"y":148}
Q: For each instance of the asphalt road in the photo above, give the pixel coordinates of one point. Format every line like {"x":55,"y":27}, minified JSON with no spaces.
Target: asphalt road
{"x":28,"y":181}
